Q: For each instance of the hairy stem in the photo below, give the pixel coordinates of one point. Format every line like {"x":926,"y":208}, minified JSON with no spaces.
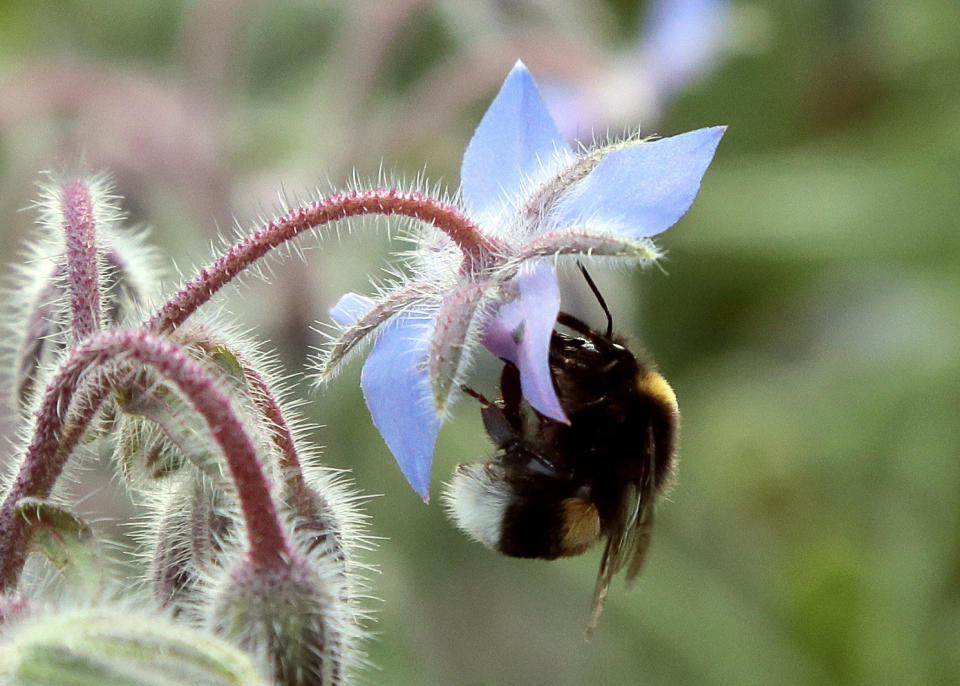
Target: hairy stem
{"x":474,"y":244}
{"x":45,"y":458}
{"x":271,"y":413}
{"x":76,"y":207}
{"x":37,"y":330}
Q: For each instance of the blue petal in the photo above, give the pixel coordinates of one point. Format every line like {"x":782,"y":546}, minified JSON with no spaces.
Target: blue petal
{"x":520,"y":332}
{"x":516,"y":142}
{"x":682,"y":39}
{"x":350,"y":307}
{"x":396,"y":387}
{"x":643,"y":189}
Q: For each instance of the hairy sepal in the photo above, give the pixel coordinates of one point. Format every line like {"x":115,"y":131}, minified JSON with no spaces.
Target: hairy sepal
{"x":66,"y":540}
{"x":458,"y":321}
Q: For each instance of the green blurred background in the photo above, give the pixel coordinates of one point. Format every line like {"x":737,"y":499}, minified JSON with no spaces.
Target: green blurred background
{"x":807,"y":314}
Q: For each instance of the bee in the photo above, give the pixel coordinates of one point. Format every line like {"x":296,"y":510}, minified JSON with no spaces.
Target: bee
{"x":555,"y":489}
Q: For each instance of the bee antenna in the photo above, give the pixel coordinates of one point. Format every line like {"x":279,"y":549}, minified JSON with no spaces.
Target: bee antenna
{"x":596,"y":292}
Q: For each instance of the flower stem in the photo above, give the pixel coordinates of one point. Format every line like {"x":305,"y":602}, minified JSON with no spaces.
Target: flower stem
{"x":45,"y":458}
{"x":80,"y":227}
{"x":271,"y":414}
{"x":474,"y":244}
{"x":37,"y":329}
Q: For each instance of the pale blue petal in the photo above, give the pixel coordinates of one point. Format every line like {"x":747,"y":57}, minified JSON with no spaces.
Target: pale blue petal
{"x":395,"y":384}
{"x":520,"y":332}
{"x":516,"y":142}
{"x":682,"y":39}
{"x":396,"y":387}
{"x":643,"y":189}
{"x":350,"y":307}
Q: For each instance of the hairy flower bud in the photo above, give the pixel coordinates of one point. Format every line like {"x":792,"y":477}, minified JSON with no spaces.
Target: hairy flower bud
{"x":94,"y":647}
{"x":293,"y":616}
{"x":158,"y":430}
{"x":191,"y":535}
{"x":83,"y":270}
{"x":144,"y":449}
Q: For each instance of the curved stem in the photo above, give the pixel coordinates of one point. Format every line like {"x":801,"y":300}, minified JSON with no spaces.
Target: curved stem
{"x":79,"y":225}
{"x":45,"y":457}
{"x":474,"y":244}
{"x":271,"y":413}
{"x":280,"y":432}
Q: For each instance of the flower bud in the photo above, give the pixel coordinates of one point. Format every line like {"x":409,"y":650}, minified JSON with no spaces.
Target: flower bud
{"x":193,"y":530}
{"x":121,"y":275}
{"x":292,"y":615}
{"x":159,"y":430}
{"x":94,"y":647}
{"x":143,"y":449}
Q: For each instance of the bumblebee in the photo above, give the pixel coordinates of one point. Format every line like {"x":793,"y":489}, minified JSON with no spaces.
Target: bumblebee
{"x":554,"y":489}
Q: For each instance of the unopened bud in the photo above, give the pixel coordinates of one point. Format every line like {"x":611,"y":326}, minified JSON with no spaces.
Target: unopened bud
{"x":287,"y":614}
{"x":194,"y":527}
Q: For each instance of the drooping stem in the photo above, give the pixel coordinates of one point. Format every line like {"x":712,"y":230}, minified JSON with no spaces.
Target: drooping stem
{"x":279,"y":428}
{"x":79,"y":225}
{"x":270,"y":411}
{"x":45,"y":458}
{"x":474,"y":244}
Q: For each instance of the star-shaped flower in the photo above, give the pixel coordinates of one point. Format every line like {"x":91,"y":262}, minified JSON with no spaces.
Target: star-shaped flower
{"x":531,"y":199}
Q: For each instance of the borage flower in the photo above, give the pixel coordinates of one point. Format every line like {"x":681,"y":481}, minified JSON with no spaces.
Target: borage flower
{"x":533,"y":200}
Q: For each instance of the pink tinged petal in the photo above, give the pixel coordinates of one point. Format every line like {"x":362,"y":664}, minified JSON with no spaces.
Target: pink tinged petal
{"x":516,"y":143}
{"x":520,"y":332}
{"x":642,"y":189}
{"x":397,"y":390}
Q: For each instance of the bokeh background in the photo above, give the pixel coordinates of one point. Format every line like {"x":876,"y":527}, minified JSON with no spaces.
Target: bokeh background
{"x":807,"y":315}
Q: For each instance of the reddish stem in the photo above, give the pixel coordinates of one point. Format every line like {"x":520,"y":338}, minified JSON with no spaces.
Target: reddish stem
{"x":45,"y":457}
{"x":279,"y":430}
{"x":272,"y":414}
{"x":80,"y":228}
{"x":37,"y":329}
{"x":474,"y":244}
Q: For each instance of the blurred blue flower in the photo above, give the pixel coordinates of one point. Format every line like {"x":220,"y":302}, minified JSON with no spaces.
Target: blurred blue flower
{"x":524,"y":187}
{"x":677,"y":42}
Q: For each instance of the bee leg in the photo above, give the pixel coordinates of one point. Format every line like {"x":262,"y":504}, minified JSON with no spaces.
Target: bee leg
{"x":476,"y":394}
{"x":495,"y":421}
{"x":511,"y":392}
{"x":498,"y":426}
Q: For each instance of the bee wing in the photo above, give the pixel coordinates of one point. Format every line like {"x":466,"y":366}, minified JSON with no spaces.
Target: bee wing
{"x":639,"y":544}
{"x":640,"y":536}
{"x":619,"y":549}
{"x":629,"y":538}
